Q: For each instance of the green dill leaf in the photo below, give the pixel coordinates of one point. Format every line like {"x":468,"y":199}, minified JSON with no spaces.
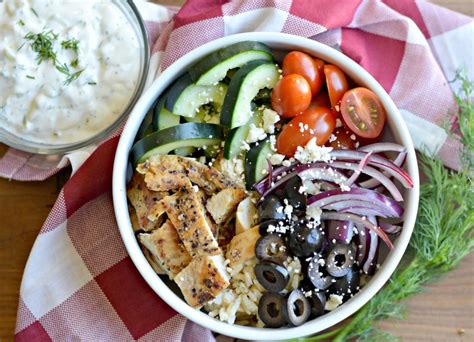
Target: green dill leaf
{"x":92,"y":83}
{"x":42,"y":44}
{"x":34,"y":12}
{"x":75,"y":63}
{"x":71,"y":44}
{"x":63,"y":68}
{"x":21,"y":22}
{"x":72,"y":77}
{"x":30,"y":77}
{"x":21,"y":46}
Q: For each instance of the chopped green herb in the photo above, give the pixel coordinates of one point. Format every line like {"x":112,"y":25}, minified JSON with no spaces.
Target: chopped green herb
{"x":92,"y":83}
{"x":73,"y":77}
{"x":34,"y":12}
{"x":30,"y":77}
{"x":71,"y":44}
{"x":21,"y":22}
{"x":20,"y":46}
{"x":42,"y":44}
{"x":75,"y":63}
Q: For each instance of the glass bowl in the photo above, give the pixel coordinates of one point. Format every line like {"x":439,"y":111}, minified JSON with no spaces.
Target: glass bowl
{"x":134,"y":18}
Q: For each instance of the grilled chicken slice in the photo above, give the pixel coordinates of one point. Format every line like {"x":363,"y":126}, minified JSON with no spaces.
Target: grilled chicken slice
{"x":164,"y":244}
{"x":203,"y":200}
{"x":246,"y":216}
{"x":223,"y":204}
{"x":143,"y":200}
{"x":184,"y":209}
{"x":242,"y":247}
{"x":170,"y":172}
{"x":203,"y":279}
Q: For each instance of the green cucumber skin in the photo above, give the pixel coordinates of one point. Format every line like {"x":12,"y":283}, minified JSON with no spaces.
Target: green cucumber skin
{"x":184,"y":132}
{"x":147,"y":125}
{"x":175,"y":90}
{"x":254,"y":161}
{"x":210,"y":61}
{"x":233,"y":91}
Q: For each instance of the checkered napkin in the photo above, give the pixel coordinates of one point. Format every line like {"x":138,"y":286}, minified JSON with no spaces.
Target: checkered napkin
{"x":79,"y":283}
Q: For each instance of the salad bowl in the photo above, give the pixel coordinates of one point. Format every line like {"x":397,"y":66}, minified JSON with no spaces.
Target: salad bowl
{"x":396,"y":131}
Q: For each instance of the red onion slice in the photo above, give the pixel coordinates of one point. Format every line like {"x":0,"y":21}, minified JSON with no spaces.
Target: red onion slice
{"x":360,"y":167}
{"x":383,"y":147}
{"x":358,"y":197}
{"x":372,"y":183}
{"x":390,"y":228}
{"x":357,"y":220}
{"x":341,"y":231}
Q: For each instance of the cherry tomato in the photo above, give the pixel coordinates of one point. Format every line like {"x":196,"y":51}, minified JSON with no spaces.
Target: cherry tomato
{"x":291,"y":95}
{"x":363,"y":112}
{"x":314,"y":122}
{"x":321,"y":100}
{"x":343,"y":139}
{"x":336,"y":82}
{"x":297,"y":62}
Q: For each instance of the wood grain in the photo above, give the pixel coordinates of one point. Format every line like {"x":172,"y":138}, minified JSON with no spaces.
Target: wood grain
{"x":444,"y":312}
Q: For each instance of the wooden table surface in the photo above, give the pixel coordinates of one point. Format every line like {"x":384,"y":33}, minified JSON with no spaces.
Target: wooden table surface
{"x":444,"y":312}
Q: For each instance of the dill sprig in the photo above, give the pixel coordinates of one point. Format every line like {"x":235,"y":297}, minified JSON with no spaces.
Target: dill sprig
{"x":442,"y":237}
{"x":42,"y":44}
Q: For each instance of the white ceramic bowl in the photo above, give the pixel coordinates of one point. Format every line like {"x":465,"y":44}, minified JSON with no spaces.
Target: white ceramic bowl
{"x":396,"y":126}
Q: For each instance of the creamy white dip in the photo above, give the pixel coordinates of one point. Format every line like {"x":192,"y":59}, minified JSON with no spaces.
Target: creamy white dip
{"x":35,"y":102}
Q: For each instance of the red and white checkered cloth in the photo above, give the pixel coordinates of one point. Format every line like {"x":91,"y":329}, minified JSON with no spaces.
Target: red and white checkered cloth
{"x":79,"y":283}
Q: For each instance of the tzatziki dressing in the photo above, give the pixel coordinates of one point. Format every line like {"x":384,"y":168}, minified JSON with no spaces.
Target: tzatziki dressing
{"x":84,"y":88}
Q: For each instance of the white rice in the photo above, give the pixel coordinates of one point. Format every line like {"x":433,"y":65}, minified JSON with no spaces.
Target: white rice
{"x":239,"y":302}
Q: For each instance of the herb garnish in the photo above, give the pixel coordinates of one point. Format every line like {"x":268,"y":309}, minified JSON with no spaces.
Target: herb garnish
{"x":34,"y":12}
{"x":30,"y":77}
{"x":443,"y":233}
{"x":21,"y":22}
{"x":92,"y":83}
{"x":42,"y":44}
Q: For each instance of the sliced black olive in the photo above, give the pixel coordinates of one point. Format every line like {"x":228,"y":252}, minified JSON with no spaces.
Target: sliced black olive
{"x":347,"y":285}
{"x":271,"y":247}
{"x":265,"y":226}
{"x":271,"y":208}
{"x":271,"y":309}
{"x":318,"y":302}
{"x":298,"y":308}
{"x":317,"y":299}
{"x":318,"y":275}
{"x":305,"y":241}
{"x":273,"y":277}
{"x":340,"y":259}
{"x":292,"y":193}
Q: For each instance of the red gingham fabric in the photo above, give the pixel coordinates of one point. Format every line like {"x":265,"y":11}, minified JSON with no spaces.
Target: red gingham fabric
{"x":79,"y":283}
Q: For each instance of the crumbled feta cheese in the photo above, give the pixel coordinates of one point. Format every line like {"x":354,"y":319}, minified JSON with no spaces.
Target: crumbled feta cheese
{"x":255,"y":134}
{"x":270,"y":118}
{"x":332,"y":138}
{"x":311,"y":188}
{"x":344,"y":187}
{"x":277,"y":159}
{"x":353,"y":137}
{"x":245,"y":146}
{"x":286,"y":163}
{"x":338,"y":123}
{"x":314,"y":212}
{"x":333,"y":302}
{"x":273,"y":142}
{"x":288,"y":209}
{"x":195,"y":188}
{"x":312,"y":153}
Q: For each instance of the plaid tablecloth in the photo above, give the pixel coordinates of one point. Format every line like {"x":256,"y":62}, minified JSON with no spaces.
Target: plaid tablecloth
{"x":80,"y":284}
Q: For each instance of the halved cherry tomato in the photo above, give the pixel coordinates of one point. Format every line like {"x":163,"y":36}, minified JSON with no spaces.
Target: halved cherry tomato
{"x":343,"y":139}
{"x":363,"y":112}
{"x":297,"y":62}
{"x":321,"y":100}
{"x":336,"y":82}
{"x":291,"y":95}
{"x":314,"y":122}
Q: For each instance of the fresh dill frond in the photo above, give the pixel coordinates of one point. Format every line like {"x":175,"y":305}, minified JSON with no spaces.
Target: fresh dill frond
{"x":34,"y":12}
{"x":75,"y":63}
{"x":42,"y":44}
{"x":442,"y":237}
{"x":63,"y":68}
{"x":71,"y":44}
{"x":92,"y":83}
{"x":21,"y":22}
{"x":72,"y":77}
{"x":30,"y":77}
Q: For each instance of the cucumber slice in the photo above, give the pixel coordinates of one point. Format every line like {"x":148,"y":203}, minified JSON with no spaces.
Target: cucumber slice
{"x":243,"y":87}
{"x":195,"y":96}
{"x":146,"y":127}
{"x":172,"y":138}
{"x":205,"y":115}
{"x":162,"y":117}
{"x":256,"y":165}
{"x":213,"y":68}
{"x":236,"y":136}
{"x":185,"y":151}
